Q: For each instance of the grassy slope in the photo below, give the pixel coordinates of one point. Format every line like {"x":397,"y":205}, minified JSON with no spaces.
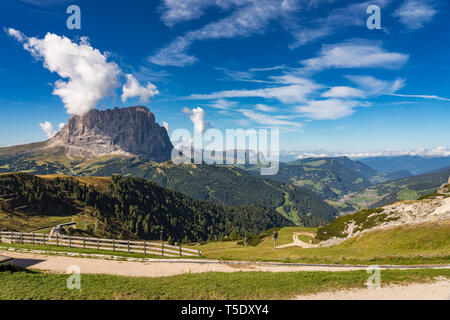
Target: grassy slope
{"x":419,"y":244}
{"x":216,"y":286}
{"x":405,"y":245}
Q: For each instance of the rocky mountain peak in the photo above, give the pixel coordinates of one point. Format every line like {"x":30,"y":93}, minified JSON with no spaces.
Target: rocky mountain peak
{"x":127,"y":131}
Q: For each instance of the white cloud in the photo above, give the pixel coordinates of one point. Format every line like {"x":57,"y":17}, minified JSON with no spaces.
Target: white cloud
{"x":439,"y":151}
{"x":61,"y":126}
{"x":223,"y":104}
{"x":197,"y":117}
{"x":133,"y":89}
{"x":16,"y":34}
{"x":166,"y":126}
{"x":343,"y":92}
{"x":355,"y":54}
{"x":48,"y":128}
{"x":421,"y":96}
{"x":312,"y":28}
{"x":330,"y":109}
{"x":296,"y":91}
{"x":265,"y":108}
{"x":265,"y":119}
{"x":249,"y":17}
{"x":376,"y":87}
{"x":414,"y":14}
{"x":90,"y":77}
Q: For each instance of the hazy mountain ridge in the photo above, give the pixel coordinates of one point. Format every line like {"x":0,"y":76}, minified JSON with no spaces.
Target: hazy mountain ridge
{"x":415,"y":164}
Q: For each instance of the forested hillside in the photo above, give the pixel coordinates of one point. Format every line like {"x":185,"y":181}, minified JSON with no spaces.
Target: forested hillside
{"x":133,"y":206}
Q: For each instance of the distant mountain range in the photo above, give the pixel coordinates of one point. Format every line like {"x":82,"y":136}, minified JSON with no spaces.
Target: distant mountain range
{"x":410,"y":188}
{"x":331,"y":177}
{"x":414,"y":164}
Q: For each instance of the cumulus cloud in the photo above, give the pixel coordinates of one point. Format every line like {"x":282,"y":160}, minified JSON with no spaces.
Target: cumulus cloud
{"x":133,"y":89}
{"x":330,"y":109}
{"x":89,"y":77}
{"x":197,"y":117}
{"x":414,"y":14}
{"x":355,"y":54}
{"x":48,"y":128}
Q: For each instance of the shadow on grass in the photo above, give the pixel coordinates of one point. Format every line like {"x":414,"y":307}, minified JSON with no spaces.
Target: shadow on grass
{"x":14,"y":269}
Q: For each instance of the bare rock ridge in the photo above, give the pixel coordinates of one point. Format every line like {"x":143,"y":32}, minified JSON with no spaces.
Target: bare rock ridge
{"x":126,"y":131}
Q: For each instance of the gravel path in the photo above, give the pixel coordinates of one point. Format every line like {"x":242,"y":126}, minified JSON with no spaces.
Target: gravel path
{"x":439,"y":290}
{"x":60,"y":264}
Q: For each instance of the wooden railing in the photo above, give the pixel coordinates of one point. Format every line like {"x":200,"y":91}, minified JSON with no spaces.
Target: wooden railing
{"x":147,"y":248}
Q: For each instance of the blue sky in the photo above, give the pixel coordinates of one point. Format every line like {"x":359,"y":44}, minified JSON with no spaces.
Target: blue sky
{"x":311,"y":68}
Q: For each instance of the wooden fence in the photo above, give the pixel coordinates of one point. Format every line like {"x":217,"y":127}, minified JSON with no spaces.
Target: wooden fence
{"x":151,"y":248}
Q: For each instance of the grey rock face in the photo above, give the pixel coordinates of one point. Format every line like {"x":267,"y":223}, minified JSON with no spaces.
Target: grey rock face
{"x":127,"y":131}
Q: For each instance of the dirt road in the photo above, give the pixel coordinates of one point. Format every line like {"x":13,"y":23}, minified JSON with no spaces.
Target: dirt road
{"x":149,"y":269}
{"x":439,"y":290}
{"x":155,"y":268}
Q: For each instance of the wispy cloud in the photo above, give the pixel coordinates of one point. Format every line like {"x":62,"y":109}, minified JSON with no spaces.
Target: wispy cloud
{"x":414,"y":14}
{"x":355,"y":54}
{"x":330,"y":109}
{"x":287,"y":94}
{"x":421,"y":96}
{"x":249,"y":17}
{"x":313,"y":29}
{"x":375,"y":87}
{"x":269,"y":120}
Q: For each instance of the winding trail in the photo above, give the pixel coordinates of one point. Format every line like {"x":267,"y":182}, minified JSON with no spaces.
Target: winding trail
{"x":299,"y":243}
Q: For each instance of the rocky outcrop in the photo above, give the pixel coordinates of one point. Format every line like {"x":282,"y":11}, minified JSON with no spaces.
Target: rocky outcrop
{"x":127,"y":131}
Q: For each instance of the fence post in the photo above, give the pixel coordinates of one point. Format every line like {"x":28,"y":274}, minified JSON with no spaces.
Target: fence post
{"x":32,"y":238}
{"x":145,"y":248}
{"x":181,"y":251}
{"x":84,"y":242}
{"x":11,"y":237}
{"x":70,"y":241}
{"x":21,"y":237}
{"x":57,"y":240}
{"x":199,"y":253}
{"x":128,"y":246}
{"x":114,"y":245}
{"x":162,"y":249}
{"x":98,"y":243}
{"x":43,"y":238}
